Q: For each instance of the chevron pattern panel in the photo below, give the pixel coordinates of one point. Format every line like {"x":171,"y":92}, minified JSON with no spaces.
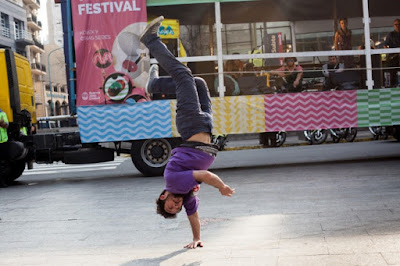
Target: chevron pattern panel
{"x":239,"y":114}
{"x":124,"y":122}
{"x":378,"y":107}
{"x":300,"y":111}
{"x":232,"y":115}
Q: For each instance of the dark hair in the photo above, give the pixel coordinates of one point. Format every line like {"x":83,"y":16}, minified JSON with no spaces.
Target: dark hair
{"x":287,"y":58}
{"x":160,"y":208}
{"x":344,"y":19}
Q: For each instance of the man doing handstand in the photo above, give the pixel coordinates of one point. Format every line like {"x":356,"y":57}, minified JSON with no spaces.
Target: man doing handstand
{"x":187,"y":167}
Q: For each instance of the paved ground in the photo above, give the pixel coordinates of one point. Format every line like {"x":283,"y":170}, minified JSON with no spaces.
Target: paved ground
{"x":294,"y":206}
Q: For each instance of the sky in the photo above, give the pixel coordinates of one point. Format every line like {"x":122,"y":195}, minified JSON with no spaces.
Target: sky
{"x":43,"y":18}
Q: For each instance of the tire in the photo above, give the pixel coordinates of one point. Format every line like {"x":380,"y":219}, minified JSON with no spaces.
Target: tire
{"x":151,"y":156}
{"x":280,"y":138}
{"x":335,"y":139}
{"x":375,"y":131}
{"x":319,"y":136}
{"x":4,"y":173}
{"x":16,"y":170}
{"x":351,"y":134}
{"x":396,"y":132}
{"x":88,"y":155}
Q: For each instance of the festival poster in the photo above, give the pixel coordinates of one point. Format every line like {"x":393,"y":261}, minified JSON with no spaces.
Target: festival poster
{"x":111,"y":64}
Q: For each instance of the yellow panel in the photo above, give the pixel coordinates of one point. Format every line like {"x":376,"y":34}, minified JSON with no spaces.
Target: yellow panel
{"x":238,"y":114}
{"x":4,"y":90}
{"x":233,"y":115}
{"x":26,"y":90}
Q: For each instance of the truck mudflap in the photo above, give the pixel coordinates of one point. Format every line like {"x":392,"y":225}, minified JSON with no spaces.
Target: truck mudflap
{"x":88,"y":155}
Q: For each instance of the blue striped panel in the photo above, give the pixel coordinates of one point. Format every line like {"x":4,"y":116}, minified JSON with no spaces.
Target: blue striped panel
{"x":121,"y":122}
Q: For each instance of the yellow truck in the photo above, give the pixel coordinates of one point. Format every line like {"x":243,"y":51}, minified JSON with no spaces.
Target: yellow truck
{"x":17,"y":101}
{"x":22,"y":146}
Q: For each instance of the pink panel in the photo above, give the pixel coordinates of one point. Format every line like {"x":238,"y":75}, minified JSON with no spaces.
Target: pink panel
{"x":310,"y":110}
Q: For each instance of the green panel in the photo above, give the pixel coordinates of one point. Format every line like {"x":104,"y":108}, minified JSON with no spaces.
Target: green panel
{"x":183,"y":2}
{"x":378,"y":107}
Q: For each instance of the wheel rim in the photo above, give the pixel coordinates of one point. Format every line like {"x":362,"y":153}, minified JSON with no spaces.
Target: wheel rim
{"x":318,"y":135}
{"x":156,"y":152}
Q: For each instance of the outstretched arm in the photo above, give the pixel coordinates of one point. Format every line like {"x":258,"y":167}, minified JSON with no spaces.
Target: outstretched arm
{"x":213,"y":180}
{"x":195,"y":224}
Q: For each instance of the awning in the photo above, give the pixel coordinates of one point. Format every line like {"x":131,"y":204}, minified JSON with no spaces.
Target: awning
{"x":202,"y":11}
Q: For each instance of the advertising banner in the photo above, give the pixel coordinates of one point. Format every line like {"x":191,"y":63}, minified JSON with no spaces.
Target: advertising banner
{"x":274,"y":44}
{"x":111,"y":64}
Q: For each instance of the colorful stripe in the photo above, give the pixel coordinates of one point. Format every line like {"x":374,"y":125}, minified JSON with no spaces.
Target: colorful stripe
{"x":300,"y":111}
{"x":245,"y":114}
{"x":378,"y":107}
{"x":238,"y":114}
{"x":122,"y":122}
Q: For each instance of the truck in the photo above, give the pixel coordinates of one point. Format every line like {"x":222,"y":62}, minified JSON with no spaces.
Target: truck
{"x":107,"y":68}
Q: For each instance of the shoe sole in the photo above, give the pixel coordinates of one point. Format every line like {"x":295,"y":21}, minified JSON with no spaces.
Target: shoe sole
{"x":151,"y":24}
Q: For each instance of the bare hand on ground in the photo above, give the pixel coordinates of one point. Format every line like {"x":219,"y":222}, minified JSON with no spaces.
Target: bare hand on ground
{"x":194,"y":244}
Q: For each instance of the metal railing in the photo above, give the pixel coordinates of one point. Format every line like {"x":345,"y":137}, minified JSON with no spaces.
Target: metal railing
{"x":5,"y":32}
{"x":22,"y":34}
{"x":38,"y":44}
{"x":38,"y":66}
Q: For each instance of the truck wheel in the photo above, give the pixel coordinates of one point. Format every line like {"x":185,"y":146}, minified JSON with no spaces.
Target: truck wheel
{"x":88,"y":155}
{"x":396,"y":132}
{"x":4,"y":173}
{"x":16,"y":170}
{"x":151,"y":156}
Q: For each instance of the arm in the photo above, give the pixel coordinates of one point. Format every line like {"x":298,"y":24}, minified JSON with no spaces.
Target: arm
{"x":195,"y":225}
{"x":279,"y":71}
{"x":298,"y":77}
{"x":3,"y":124}
{"x":213,"y":180}
{"x":336,"y":41}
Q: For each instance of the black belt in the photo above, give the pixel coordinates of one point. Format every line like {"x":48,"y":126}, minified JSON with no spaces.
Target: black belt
{"x":210,"y":149}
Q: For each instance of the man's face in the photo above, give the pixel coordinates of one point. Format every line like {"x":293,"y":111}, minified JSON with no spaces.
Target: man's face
{"x":396,"y":25}
{"x":332,"y":60}
{"x":173,"y":204}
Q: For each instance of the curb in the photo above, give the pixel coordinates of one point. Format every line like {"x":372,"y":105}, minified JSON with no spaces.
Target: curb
{"x":292,"y":145}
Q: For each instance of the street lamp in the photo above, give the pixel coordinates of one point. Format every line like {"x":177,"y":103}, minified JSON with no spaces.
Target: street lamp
{"x":51,"y":89}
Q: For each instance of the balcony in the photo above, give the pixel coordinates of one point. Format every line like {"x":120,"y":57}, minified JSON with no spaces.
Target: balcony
{"x":17,"y":2}
{"x":23,"y":38}
{"x":32,"y":3}
{"x":37,"y":46}
{"x":33,"y":23}
{"x":5,"y":32}
{"x":38,"y":69}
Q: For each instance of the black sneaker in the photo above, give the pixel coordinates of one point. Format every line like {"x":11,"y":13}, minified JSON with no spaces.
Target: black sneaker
{"x":151,"y":30}
{"x":153,"y":74}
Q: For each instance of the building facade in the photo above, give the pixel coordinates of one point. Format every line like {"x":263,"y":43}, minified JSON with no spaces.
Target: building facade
{"x":55,"y":83}
{"x":20,"y":31}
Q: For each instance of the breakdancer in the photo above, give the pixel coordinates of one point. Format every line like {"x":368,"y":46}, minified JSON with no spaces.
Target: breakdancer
{"x":187,"y":167}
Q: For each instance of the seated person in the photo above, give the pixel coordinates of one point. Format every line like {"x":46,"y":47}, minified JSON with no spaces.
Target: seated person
{"x":333,"y":65}
{"x":231,"y":85}
{"x":249,"y":70}
{"x":290,"y":76}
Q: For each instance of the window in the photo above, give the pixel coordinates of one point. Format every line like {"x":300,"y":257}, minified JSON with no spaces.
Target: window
{"x":19,"y":29}
{"x":55,"y":89}
{"x":5,"y":25}
{"x":62,"y":89}
{"x":47,"y":88}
